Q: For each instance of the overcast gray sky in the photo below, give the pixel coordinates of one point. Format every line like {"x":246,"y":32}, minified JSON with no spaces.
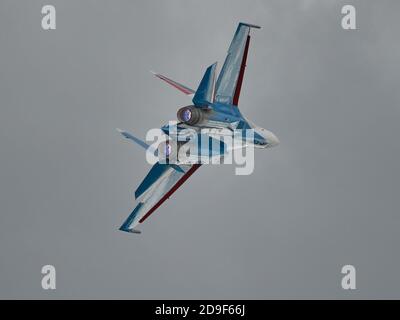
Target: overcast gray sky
{"x":327,"y":196}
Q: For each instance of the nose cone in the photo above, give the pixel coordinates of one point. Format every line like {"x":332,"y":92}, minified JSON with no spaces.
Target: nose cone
{"x":272,"y":139}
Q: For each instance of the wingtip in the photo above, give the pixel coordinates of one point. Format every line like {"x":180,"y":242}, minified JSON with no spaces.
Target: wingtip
{"x":131,"y":230}
{"x":250,"y":25}
{"x":136,"y":231}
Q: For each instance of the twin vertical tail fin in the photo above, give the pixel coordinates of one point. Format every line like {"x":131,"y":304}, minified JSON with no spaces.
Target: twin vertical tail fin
{"x":204,"y":95}
{"x":226,"y":89}
{"x":175,"y":84}
{"x":205,"y":92}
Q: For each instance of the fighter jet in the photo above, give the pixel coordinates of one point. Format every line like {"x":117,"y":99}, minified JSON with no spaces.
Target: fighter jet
{"x":213,"y":113}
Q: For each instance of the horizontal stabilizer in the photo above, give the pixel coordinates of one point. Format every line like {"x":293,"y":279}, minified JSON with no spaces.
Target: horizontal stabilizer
{"x":147,"y":147}
{"x":133,"y":138}
{"x":175,"y":84}
{"x":138,"y":141}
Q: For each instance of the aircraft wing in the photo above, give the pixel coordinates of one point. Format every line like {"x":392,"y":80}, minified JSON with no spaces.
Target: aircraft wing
{"x":229,"y":82}
{"x":159,"y":184}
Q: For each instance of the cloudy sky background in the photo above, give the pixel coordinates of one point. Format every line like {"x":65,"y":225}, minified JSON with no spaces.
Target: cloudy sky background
{"x":327,"y":196}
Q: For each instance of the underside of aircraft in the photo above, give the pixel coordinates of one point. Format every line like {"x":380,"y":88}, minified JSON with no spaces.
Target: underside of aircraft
{"x":214,"y":112}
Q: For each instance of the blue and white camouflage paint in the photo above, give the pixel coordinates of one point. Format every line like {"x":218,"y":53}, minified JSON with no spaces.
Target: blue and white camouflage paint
{"x":213,"y":117}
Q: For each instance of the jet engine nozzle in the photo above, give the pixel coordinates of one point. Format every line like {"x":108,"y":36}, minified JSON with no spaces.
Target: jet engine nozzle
{"x":168,"y":151}
{"x":190,"y":115}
